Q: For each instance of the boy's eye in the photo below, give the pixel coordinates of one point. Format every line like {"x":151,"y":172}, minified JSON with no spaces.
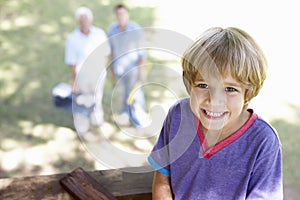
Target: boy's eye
{"x":202,"y":85}
{"x":230,"y":89}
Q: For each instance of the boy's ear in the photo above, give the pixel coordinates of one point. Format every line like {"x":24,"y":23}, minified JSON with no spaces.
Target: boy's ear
{"x":246,"y":104}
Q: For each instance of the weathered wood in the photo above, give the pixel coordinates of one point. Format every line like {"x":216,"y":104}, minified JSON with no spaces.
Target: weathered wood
{"x":122,"y":184}
{"x":136,"y":197}
{"x":82,"y":186}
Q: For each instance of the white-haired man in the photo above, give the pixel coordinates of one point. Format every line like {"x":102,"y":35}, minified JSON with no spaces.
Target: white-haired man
{"x":87,"y":52}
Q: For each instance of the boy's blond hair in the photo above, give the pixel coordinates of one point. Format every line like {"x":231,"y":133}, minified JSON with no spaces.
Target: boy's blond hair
{"x":221,"y":51}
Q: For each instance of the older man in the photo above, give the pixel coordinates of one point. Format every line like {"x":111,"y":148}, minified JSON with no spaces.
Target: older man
{"x":87,"y":51}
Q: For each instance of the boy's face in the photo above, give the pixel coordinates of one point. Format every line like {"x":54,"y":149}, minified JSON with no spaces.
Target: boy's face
{"x":218,"y":103}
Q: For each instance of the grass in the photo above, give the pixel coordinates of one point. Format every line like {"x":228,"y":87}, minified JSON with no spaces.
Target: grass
{"x":32,"y":39}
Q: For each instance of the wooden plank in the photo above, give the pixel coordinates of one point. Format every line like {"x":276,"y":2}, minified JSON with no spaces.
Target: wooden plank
{"x":82,"y":186}
{"x":124,"y":184}
{"x":136,"y":197}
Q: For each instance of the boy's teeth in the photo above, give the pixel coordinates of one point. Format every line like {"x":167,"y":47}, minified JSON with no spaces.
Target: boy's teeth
{"x":214,"y":114}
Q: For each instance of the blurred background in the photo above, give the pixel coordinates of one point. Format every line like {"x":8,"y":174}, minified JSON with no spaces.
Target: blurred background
{"x":36,"y":138}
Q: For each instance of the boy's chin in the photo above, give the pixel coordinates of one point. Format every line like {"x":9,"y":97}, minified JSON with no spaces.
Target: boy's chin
{"x":214,"y":126}
{"x":215,"y":129}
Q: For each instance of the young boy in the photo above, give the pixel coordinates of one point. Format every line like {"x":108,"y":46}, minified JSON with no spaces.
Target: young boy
{"x":211,"y":145}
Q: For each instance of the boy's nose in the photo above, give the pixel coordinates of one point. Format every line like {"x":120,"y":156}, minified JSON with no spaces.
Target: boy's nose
{"x":217,"y":98}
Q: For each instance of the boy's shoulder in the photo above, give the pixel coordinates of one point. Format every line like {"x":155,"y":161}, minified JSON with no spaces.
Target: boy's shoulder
{"x":180,"y":104}
{"x":263,"y":124}
{"x":265,"y":133}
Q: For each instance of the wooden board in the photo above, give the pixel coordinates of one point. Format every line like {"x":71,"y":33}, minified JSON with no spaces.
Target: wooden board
{"x":82,"y":186}
{"x":122,"y":184}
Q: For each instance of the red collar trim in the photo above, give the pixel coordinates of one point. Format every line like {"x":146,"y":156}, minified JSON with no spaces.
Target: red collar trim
{"x":208,"y":152}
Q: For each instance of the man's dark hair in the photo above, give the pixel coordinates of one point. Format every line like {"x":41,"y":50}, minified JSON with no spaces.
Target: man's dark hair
{"x":119,"y":6}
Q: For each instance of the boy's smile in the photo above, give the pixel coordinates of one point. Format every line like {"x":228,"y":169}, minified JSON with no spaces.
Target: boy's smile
{"x":218,"y":104}
{"x":213,"y":115}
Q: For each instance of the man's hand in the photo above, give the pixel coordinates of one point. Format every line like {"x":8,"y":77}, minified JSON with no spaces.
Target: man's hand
{"x":75,"y":88}
{"x":142,"y":75}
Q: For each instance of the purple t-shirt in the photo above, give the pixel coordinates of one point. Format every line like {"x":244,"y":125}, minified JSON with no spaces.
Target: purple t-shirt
{"x":245,"y":165}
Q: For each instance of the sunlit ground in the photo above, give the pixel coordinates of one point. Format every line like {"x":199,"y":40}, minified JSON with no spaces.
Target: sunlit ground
{"x":56,"y":149}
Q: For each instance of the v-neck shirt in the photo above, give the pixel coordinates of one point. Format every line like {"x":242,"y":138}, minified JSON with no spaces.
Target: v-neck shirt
{"x":209,"y":151}
{"x":245,"y":165}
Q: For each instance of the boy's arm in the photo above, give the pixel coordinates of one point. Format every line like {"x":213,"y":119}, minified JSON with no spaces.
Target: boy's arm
{"x":161,"y":189}
{"x":266,"y":181}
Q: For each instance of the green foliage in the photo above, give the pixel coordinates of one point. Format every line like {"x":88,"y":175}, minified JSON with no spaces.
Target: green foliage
{"x":290,"y":137}
{"x":32,"y":39}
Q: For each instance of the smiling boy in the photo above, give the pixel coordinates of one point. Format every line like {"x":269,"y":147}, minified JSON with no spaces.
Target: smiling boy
{"x":212,"y":146}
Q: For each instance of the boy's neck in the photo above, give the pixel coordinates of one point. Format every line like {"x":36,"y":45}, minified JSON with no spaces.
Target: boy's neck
{"x":213,"y":137}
